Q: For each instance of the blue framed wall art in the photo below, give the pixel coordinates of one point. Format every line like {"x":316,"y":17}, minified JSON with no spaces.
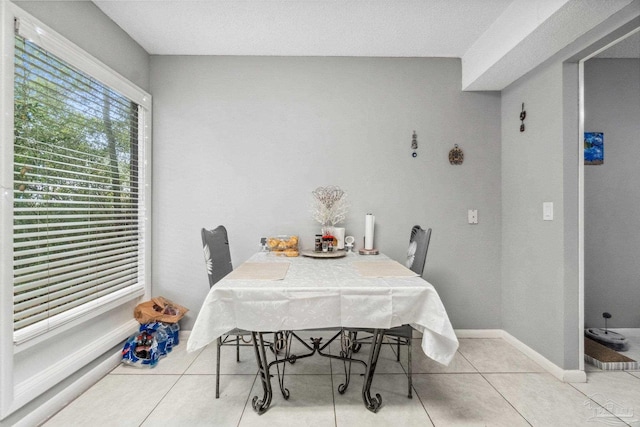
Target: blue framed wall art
{"x":593,"y":148}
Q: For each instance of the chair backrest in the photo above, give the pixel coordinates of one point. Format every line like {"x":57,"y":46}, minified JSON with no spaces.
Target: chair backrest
{"x":418,"y":247}
{"x":217,"y":256}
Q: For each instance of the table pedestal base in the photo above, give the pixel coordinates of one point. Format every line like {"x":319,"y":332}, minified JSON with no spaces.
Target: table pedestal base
{"x":372,"y":403}
{"x":282,"y":342}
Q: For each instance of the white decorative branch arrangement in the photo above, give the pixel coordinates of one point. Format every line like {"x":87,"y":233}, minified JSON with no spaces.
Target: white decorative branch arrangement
{"x":329,"y":205}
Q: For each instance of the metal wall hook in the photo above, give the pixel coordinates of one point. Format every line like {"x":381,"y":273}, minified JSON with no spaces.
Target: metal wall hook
{"x":414,"y":144}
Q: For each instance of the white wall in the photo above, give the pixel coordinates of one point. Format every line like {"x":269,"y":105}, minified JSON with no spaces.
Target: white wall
{"x":242,"y":141}
{"x":612,"y":194}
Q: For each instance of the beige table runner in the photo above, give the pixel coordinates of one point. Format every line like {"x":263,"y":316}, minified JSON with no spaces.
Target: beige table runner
{"x":260,"y":271}
{"x":382,"y":269}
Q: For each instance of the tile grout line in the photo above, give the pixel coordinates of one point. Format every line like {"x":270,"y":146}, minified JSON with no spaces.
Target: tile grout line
{"x":413,"y":389}
{"x":501,"y":395}
{"x":162,"y":398}
{"x":485,"y":375}
{"x":589,"y":397}
{"x":194,"y":359}
{"x":467,"y":360}
{"x":424,"y":407}
{"x":246,"y":402}
{"x":492,"y":386}
{"x":406,"y":374}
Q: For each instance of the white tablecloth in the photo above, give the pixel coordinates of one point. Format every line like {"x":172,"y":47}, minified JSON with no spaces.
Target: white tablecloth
{"x":322,"y":293}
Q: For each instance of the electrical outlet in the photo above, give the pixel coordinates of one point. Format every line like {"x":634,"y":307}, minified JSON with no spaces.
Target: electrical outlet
{"x":473,"y":216}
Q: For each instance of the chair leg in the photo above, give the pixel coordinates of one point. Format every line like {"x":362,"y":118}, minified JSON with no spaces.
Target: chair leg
{"x":409,"y":368}
{"x":237,"y":348}
{"x":218,"y":345}
{"x":398,"y":352}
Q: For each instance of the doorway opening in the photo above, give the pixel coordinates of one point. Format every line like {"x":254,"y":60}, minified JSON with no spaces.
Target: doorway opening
{"x":609,"y":112}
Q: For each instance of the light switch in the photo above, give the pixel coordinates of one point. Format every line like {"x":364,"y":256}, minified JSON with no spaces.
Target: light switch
{"x":473,"y":216}
{"x":547,"y":211}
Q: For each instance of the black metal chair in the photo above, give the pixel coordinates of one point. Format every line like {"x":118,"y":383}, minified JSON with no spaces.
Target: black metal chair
{"x":418,"y":248}
{"x":416,"y":259}
{"x":218,"y":261}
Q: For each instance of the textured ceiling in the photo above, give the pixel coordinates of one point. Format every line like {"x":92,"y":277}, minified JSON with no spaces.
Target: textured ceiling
{"x":498,"y":40}
{"x":391,"y":28}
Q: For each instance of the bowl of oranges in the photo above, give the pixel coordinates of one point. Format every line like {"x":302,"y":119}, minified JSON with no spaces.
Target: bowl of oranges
{"x":283,"y":245}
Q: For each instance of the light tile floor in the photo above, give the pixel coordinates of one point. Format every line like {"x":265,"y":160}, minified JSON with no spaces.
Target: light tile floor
{"x":489,"y":383}
{"x":633,"y":337}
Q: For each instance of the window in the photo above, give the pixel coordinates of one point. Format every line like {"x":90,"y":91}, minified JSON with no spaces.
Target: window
{"x":79,"y":192}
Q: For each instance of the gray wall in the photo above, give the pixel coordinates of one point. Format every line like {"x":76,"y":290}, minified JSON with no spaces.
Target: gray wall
{"x":533,"y":249}
{"x":540,"y":259}
{"x":242,"y":141}
{"x":612,"y":194}
{"x":85,"y":25}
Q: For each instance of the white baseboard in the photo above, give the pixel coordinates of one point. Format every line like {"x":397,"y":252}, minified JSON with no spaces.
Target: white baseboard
{"x":82,"y":384}
{"x":37,"y":384}
{"x":564,"y":375}
{"x":479,"y":333}
{"x":574,"y":376}
{"x":60,"y":400}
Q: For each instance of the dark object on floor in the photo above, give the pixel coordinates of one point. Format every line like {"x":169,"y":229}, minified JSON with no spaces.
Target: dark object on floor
{"x":153,"y":341}
{"x":604,"y":354}
{"x":613,"y":340}
{"x":607,"y":359}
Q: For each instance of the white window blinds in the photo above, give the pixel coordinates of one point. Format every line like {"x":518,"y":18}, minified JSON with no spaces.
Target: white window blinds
{"x":78,"y":236}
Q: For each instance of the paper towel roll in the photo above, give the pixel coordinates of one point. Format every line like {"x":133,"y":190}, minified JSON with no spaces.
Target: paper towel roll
{"x":369,"y":223}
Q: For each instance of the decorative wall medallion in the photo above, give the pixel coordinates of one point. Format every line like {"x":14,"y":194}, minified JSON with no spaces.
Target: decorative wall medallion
{"x":456,"y":156}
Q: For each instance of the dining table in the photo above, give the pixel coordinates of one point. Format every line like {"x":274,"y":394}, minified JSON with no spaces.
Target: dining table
{"x":345,"y":292}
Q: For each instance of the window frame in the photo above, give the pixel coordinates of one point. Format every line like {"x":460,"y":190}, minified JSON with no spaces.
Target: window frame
{"x":108,"y":260}
{"x":10,"y":396}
